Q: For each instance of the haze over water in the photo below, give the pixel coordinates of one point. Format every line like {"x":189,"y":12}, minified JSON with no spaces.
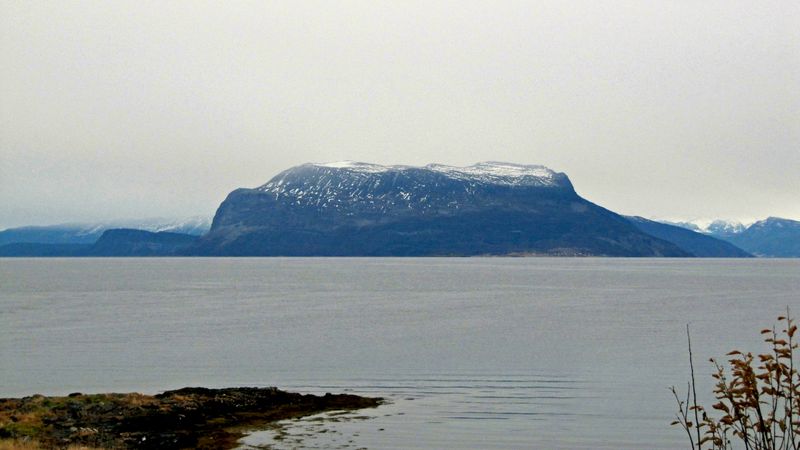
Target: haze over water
{"x":472,"y":353}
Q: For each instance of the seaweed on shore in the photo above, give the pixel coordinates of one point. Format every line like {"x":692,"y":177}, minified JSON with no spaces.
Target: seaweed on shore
{"x":183,"y":418}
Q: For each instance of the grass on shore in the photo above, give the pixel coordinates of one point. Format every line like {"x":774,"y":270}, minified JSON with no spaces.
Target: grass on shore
{"x":29,"y":421}
{"x":191,"y":417}
{"x":27,"y":444}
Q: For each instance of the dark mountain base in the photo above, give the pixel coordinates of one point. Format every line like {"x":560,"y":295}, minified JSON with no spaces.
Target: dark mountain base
{"x":118,"y":242}
{"x":44,"y":250}
{"x":490,"y":233}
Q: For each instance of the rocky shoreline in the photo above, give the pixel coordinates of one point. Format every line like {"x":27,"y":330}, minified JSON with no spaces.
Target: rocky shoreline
{"x":191,"y":417}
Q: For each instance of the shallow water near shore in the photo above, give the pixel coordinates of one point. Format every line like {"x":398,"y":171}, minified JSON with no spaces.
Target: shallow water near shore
{"x":471,"y":353}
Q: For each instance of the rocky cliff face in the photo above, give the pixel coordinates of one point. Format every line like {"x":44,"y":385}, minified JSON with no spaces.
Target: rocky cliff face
{"x":360,"y":209}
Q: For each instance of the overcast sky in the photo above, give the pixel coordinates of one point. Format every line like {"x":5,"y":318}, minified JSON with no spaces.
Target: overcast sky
{"x":666,"y":109}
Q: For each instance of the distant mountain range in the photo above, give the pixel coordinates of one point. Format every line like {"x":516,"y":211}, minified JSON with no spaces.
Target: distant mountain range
{"x":698,"y":244}
{"x":717,"y":227}
{"x":89,"y":233}
{"x":359,"y":209}
{"x":771,"y":237}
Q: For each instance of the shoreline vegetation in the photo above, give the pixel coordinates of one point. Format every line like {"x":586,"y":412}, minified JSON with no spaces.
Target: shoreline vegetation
{"x":758,"y":397}
{"x":191,"y":417}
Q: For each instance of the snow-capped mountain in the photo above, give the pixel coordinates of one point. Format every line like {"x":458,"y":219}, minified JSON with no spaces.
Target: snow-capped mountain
{"x":714,"y":227}
{"x":682,"y":224}
{"x":352,"y":208}
{"x":771,"y":237}
{"x":195,"y":226}
{"x":724,"y":228}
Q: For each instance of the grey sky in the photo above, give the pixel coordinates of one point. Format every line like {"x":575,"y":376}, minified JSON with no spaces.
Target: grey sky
{"x":667,"y":109}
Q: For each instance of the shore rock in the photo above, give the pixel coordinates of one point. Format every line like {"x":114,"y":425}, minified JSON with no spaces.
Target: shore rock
{"x":185,"y":418}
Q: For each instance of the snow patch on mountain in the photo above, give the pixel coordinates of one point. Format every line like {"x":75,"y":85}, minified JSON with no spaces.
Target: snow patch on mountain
{"x":349,"y":185}
{"x":725,"y":227}
{"x":710,"y":226}
{"x":491,"y":172}
{"x":355,"y":166}
{"x":500,"y":173}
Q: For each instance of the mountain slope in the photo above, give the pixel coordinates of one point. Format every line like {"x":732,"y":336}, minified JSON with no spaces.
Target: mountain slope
{"x":693,"y":242}
{"x":358,"y":209}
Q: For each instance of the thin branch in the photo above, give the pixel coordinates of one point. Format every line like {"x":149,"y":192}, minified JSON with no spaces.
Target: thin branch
{"x":694,"y":389}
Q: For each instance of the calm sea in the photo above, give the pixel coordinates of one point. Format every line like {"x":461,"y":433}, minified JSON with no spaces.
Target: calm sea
{"x":472,"y":353}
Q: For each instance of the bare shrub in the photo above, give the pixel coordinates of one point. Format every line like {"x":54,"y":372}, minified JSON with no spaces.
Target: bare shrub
{"x":756,"y":398}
